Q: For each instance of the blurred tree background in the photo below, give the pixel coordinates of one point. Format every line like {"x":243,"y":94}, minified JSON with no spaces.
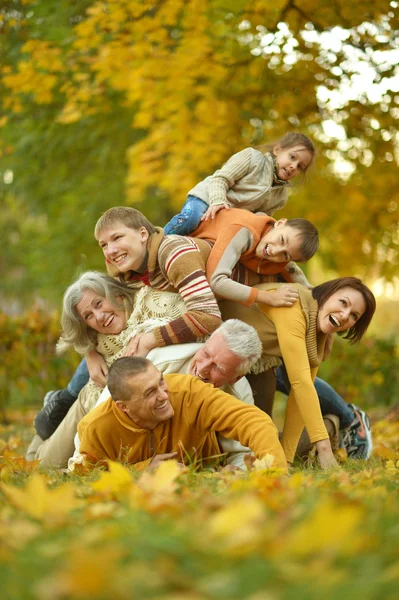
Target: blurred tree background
{"x":128,"y":101}
{"x":134,"y":101}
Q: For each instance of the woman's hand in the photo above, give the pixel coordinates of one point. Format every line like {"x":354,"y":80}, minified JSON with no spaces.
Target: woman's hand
{"x":282,"y":296}
{"x":325,"y":455}
{"x":213,"y":210}
{"x":140,"y":345}
{"x":98,"y":370}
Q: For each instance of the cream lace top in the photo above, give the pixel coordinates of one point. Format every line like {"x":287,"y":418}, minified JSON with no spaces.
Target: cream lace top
{"x":151,"y":309}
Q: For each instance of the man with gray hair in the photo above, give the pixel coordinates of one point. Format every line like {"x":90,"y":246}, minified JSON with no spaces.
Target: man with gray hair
{"x":223,"y":360}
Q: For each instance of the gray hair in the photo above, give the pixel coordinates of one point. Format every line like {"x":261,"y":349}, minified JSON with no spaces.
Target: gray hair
{"x":243,"y":340}
{"x":75,"y":332}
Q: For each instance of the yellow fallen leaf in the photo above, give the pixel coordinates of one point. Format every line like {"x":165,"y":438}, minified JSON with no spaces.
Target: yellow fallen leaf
{"x":238,"y":526}
{"x":264,"y":463}
{"x":88,"y":573}
{"x":18,"y":463}
{"x":163,"y":481}
{"x":330,"y":528}
{"x":38,"y":501}
{"x":384,"y":452}
{"x":117,"y":481}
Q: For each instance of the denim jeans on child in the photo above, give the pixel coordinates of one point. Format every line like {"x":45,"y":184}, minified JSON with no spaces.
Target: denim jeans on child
{"x":331,"y":403}
{"x":189,"y":217}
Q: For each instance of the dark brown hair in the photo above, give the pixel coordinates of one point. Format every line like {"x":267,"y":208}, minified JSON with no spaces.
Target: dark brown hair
{"x":121,"y":373}
{"x":322,"y":293}
{"x":310,"y":237}
{"x":128,"y":216}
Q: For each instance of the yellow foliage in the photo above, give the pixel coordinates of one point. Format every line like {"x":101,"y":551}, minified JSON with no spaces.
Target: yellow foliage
{"x":14,"y":463}
{"x":38,"y":501}
{"x":237,"y":527}
{"x":330,"y":528}
{"x":117,"y":481}
{"x":159,"y":486}
{"x":88,"y":573}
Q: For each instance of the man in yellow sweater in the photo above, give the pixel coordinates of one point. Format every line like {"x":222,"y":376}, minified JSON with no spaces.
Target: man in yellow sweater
{"x":151,"y":418}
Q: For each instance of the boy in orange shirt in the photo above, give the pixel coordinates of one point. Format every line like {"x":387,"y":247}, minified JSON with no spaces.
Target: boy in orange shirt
{"x":261,"y":244}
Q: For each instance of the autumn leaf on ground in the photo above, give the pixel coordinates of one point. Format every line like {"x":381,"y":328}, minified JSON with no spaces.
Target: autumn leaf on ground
{"x":160,"y":485}
{"x":40,"y":502}
{"x":17,"y":463}
{"x":238,"y":526}
{"x":331,"y":528}
{"x":88,"y":573}
{"x":384,"y":452}
{"x":116,"y":481}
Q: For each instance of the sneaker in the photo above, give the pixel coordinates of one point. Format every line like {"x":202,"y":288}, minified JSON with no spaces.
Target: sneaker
{"x":356,"y":439}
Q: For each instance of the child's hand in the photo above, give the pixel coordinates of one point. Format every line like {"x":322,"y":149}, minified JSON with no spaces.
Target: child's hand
{"x":213,"y":210}
{"x":283,"y":296}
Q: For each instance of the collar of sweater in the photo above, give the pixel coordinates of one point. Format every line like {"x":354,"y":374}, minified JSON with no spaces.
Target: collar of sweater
{"x":315,"y":340}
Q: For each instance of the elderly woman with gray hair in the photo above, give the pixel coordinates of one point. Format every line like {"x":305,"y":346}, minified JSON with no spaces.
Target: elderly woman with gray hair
{"x":96,"y":316}
{"x":100,"y":314}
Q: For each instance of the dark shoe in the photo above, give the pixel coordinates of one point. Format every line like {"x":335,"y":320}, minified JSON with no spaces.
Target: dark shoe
{"x":57,"y":404}
{"x":356,"y":439}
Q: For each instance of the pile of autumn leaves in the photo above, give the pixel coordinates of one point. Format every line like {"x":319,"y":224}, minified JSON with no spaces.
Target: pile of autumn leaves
{"x":180,"y":535}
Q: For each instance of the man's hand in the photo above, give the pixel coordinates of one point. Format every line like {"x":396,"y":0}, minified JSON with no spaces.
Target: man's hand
{"x":159,"y":458}
{"x":282,"y":296}
{"x":140,"y":345}
{"x":98,"y":370}
{"x":213,"y":210}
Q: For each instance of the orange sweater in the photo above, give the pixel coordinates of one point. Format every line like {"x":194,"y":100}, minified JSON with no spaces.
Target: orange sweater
{"x":200,"y":410}
{"x":232,"y":231}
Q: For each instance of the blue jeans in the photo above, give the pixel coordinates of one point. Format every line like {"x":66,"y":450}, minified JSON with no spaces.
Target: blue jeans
{"x":331,"y":403}
{"x":79,"y":380}
{"x":189,"y":217}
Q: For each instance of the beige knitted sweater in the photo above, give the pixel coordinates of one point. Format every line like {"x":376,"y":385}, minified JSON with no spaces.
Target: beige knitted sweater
{"x":244,"y":181}
{"x":151,"y":309}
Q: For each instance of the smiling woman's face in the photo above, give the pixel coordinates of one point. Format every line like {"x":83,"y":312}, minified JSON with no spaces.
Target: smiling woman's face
{"x":341,"y":311}
{"x":99,"y":314}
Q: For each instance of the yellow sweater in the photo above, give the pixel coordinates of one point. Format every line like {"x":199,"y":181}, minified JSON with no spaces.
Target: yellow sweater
{"x":200,"y":410}
{"x":290,"y":334}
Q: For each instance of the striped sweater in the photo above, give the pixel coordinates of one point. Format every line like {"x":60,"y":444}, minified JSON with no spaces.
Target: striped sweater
{"x":177,"y":264}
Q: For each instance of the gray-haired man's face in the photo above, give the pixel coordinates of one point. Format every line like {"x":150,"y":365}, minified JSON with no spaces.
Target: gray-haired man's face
{"x":216,"y":363}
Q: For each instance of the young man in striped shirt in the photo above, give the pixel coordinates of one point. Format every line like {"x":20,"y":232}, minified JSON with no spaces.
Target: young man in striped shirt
{"x":137,"y":253}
